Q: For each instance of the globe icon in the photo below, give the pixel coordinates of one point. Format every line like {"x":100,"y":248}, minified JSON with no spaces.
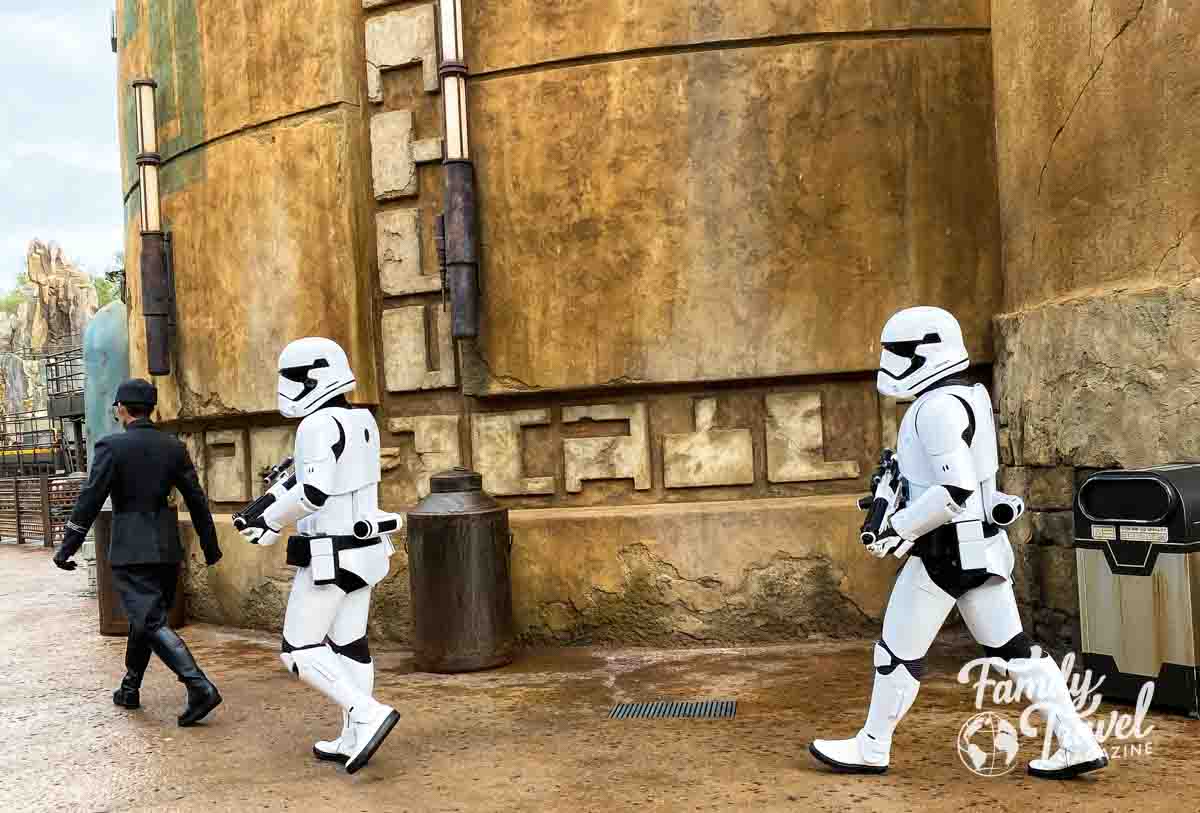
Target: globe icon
{"x":988,"y":744}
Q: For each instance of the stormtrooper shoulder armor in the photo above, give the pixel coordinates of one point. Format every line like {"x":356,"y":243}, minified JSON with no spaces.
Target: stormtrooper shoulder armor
{"x":945,"y":427}
{"x":337,"y":450}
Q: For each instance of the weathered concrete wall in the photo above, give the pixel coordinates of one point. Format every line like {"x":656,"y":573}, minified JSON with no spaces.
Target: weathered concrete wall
{"x":264,"y":190}
{"x":1098,"y":153}
{"x":703,"y":214}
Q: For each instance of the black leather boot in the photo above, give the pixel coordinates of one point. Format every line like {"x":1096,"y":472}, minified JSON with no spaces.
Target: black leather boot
{"x":203,"y":696}
{"x":128,"y":696}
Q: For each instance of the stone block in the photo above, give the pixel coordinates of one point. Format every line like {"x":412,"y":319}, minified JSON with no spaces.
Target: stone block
{"x":393,"y":170}
{"x":1057,"y":580}
{"x":708,"y":457}
{"x":400,"y":38}
{"x":796,"y":441}
{"x":269,"y":446}
{"x":428,"y":150}
{"x":496,"y":442}
{"x":608,"y":458}
{"x":398,"y":241}
{"x":1043,"y":489}
{"x":226,"y":455}
{"x":435,"y":442}
{"x":1053,"y":528}
{"x":413,"y":360}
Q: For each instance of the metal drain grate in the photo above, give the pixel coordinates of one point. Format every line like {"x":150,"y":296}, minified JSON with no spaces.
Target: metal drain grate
{"x":705,"y":709}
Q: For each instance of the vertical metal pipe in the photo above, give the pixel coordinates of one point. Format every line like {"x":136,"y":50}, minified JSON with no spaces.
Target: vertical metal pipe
{"x":156,"y":287}
{"x":461,"y":219}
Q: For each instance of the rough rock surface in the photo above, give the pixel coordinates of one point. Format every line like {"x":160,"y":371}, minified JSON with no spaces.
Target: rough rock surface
{"x":1097,"y":152}
{"x":64,"y":298}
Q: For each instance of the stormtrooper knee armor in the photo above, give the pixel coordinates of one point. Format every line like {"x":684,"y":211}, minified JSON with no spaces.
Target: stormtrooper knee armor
{"x":953,"y":525}
{"x":333,"y":491}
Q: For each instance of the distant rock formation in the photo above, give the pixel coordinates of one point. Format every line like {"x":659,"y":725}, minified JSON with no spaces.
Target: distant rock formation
{"x":64,"y":297}
{"x":59,"y":301}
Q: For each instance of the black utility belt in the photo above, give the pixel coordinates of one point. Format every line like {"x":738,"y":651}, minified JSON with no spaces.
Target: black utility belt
{"x":943,"y":542}
{"x":321,"y":553}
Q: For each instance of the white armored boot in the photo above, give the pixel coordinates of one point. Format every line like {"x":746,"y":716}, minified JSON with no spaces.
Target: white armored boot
{"x":340,"y":749}
{"x":870,"y":750}
{"x":368,"y":721}
{"x":1079,"y":751}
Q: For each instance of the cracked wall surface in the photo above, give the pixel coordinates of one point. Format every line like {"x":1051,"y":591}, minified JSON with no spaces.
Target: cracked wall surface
{"x":1096,"y":121}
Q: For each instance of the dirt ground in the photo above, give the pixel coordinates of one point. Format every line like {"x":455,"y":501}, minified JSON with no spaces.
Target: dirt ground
{"x":531,"y":737}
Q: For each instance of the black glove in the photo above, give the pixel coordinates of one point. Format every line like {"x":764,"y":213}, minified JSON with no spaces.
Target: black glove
{"x":63,"y":560}
{"x":214,"y":560}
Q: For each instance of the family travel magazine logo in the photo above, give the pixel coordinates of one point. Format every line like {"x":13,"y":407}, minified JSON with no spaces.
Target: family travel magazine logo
{"x":988,"y":742}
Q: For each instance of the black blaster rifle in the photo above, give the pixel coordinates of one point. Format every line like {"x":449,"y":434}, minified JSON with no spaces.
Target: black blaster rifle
{"x":284,"y":469}
{"x":889,"y":492}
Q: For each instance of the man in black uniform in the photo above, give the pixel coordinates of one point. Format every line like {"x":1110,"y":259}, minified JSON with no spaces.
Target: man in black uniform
{"x":139,"y":467}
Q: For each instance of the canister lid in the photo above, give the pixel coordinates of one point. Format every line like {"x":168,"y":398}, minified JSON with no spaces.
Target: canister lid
{"x":455,"y":480}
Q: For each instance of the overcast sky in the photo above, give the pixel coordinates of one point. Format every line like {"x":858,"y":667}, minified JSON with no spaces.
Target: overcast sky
{"x":59,"y":163}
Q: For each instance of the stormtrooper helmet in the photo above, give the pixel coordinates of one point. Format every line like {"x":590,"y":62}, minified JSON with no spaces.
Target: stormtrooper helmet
{"x":920,"y":346}
{"x":311,"y":371}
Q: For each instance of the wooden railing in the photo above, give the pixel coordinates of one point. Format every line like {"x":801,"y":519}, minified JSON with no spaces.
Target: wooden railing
{"x":35,"y":510}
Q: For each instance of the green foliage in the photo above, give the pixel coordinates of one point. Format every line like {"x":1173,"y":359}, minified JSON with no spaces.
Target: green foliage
{"x":106,"y":290}
{"x":11,"y":301}
{"x":114,"y":281}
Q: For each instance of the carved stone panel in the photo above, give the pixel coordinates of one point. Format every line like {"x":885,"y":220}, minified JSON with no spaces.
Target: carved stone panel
{"x":395,"y":154}
{"x":708,"y":457}
{"x":496,"y":442}
{"x":393,"y":170}
{"x":401,"y":270}
{"x":413,"y":360}
{"x":796,"y":441}
{"x":400,"y":38}
{"x":268,"y":446}
{"x":608,"y":458}
{"x":436,"y":443}
{"x":226,"y":454}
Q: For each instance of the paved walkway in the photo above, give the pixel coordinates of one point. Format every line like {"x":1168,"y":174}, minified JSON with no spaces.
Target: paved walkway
{"x":531,"y":737}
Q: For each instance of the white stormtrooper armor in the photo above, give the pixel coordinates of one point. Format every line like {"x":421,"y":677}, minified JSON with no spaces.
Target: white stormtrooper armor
{"x":961,"y":554}
{"x":332,"y":495}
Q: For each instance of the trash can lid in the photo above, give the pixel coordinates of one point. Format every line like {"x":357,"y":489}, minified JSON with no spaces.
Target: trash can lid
{"x":456,"y":479}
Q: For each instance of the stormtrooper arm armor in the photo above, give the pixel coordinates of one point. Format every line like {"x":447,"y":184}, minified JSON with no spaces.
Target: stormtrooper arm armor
{"x":1002,"y":509}
{"x":942,"y":427}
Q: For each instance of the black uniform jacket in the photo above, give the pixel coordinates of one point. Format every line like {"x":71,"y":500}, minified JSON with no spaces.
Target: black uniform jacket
{"x":139,"y":467}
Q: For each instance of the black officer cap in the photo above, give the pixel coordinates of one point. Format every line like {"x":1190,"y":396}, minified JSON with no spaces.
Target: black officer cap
{"x":136,"y":391}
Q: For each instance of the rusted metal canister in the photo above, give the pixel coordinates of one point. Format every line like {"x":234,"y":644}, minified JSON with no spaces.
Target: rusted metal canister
{"x":458,"y":568}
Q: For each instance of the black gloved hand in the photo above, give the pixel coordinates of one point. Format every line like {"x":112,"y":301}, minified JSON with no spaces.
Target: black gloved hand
{"x":211,"y":562}
{"x":62,"y":560}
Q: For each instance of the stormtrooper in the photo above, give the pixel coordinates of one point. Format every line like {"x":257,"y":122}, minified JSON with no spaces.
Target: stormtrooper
{"x":960,"y":554}
{"x":341,"y":548}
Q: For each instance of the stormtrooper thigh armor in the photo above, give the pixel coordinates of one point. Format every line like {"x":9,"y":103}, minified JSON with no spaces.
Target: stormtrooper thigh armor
{"x":961,"y":555}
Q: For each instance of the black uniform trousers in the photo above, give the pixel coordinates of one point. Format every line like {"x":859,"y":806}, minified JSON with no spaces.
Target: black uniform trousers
{"x":147,"y":593}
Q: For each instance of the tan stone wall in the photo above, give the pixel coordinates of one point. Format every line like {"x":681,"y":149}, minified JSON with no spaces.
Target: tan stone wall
{"x":264,"y":190}
{"x":695,"y":218}
{"x":1096,"y":345}
{"x":699,"y":214}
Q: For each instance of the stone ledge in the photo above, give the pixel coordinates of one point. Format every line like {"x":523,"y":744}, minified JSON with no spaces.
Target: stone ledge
{"x":747,"y":570}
